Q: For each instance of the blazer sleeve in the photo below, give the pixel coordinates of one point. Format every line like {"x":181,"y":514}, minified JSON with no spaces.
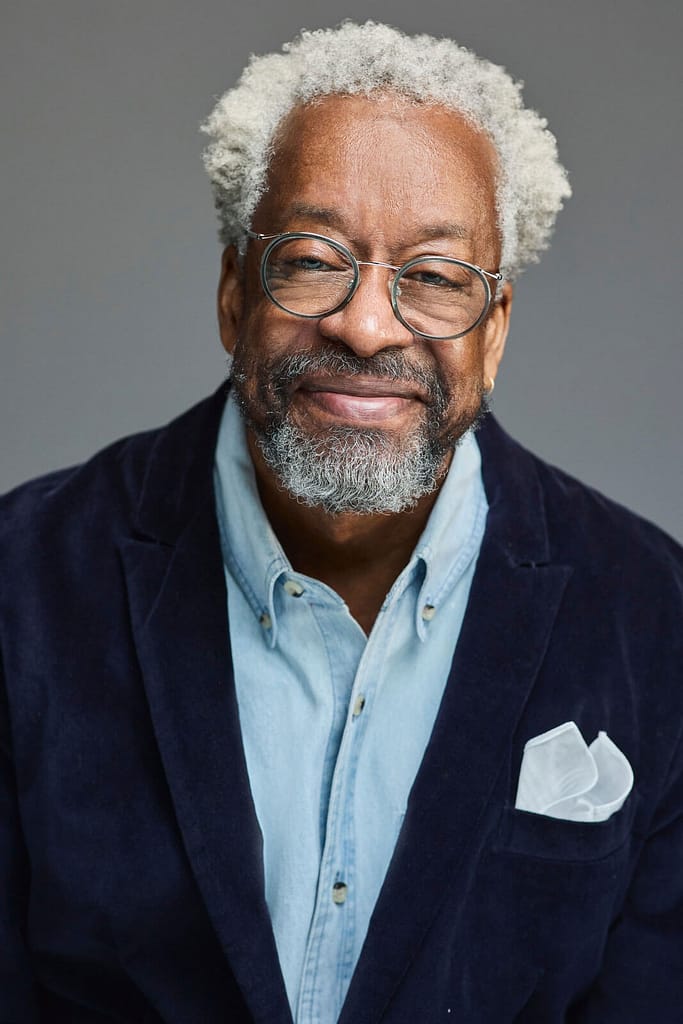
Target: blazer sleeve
{"x":641,"y":980}
{"x":18,"y":996}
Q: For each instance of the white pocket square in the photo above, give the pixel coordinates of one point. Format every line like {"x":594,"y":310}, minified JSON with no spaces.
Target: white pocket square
{"x":562,"y":777}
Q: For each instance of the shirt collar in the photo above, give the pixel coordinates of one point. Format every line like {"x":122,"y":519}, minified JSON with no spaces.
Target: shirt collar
{"x":453,"y":533}
{"x":255,"y":558}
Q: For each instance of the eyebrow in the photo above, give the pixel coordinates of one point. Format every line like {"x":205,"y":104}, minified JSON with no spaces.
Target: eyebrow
{"x":333,"y":219}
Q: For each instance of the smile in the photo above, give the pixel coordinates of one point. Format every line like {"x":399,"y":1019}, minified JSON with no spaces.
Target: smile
{"x":360,"y":399}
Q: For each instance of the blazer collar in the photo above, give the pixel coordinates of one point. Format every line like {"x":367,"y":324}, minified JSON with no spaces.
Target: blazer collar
{"x":516,"y":532}
{"x":179,"y":473}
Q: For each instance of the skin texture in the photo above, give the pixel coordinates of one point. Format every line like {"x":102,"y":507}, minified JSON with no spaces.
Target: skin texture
{"x":391,"y":180}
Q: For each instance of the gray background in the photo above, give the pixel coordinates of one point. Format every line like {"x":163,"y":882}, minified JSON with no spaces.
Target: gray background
{"x":109,"y":253}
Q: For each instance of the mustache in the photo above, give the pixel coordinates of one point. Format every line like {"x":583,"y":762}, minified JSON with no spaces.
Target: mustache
{"x":388,"y":364}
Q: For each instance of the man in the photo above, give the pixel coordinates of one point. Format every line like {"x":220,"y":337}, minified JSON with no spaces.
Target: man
{"x":316,"y":705}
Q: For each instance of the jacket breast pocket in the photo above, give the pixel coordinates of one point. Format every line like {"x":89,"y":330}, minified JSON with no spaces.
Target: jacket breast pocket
{"x":555,"y":839}
{"x":550,"y":887}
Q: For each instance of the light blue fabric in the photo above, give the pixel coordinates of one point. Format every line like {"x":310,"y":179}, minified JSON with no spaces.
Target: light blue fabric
{"x":335,"y":724}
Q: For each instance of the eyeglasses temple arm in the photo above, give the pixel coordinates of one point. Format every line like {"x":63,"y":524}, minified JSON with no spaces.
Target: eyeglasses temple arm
{"x":256,"y":235}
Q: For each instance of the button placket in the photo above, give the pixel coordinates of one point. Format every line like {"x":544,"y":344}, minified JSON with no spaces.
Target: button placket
{"x":331,"y":937}
{"x":332,"y":933}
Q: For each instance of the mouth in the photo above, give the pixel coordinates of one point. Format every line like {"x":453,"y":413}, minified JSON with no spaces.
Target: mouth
{"x":360,"y":399}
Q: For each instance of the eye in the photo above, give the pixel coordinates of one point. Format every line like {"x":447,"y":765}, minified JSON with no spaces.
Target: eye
{"x":431,"y":277}
{"x":451,"y":278}
{"x":309,"y":263}
{"x":445,"y":277}
{"x":303,"y":259}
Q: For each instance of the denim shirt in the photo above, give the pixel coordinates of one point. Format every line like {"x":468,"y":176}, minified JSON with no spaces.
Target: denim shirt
{"x":334,"y":723}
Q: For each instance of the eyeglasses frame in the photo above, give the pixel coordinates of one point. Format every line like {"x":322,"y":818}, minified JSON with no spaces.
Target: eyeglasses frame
{"x":274,"y":240}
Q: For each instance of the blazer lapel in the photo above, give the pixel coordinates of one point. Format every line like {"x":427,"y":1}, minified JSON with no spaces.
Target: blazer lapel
{"x":178,"y":608}
{"x":513,"y":603}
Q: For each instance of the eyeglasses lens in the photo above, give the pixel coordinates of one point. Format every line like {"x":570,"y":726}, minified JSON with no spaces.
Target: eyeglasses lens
{"x":308,"y":276}
{"x":440,"y":298}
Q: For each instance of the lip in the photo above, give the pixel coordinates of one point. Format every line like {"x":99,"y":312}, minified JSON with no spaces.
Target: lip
{"x":363,"y":387}
{"x":360,"y":399}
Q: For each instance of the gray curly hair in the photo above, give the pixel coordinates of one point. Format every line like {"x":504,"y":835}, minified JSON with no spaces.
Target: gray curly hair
{"x":362,"y":59}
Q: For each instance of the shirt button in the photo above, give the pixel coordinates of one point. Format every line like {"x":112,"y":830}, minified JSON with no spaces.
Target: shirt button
{"x":265,"y":620}
{"x":339,"y":891}
{"x":428,"y":612}
{"x":358,"y":705}
{"x":293,"y":588}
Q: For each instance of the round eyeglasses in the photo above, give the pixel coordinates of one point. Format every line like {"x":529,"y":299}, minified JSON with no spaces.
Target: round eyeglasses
{"x":437,"y":297}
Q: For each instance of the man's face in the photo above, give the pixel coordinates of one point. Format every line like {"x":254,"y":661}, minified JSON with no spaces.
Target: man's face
{"x":352,"y":411}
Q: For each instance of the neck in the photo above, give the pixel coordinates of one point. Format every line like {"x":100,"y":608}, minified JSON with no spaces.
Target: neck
{"x":358,"y":556}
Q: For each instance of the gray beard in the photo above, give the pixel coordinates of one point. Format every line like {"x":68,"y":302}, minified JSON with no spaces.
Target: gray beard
{"x":347,"y":469}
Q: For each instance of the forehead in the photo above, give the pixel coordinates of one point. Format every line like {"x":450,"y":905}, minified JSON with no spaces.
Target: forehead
{"x":381,"y":160}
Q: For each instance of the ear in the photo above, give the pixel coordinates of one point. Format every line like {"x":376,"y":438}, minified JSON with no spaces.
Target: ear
{"x":230,"y":298}
{"x":496,"y":331}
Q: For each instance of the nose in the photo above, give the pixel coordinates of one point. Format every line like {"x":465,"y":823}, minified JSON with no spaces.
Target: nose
{"x":367,"y":323}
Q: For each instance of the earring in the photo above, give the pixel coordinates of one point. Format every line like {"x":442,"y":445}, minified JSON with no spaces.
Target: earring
{"x":489,"y":390}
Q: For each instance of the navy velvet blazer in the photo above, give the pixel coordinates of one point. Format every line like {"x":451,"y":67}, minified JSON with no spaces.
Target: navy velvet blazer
{"x":130,"y":855}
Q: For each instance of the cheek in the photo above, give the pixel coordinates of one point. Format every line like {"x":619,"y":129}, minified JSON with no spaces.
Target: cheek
{"x":266,"y":336}
{"x":461,"y":366}
{"x":272,"y":333}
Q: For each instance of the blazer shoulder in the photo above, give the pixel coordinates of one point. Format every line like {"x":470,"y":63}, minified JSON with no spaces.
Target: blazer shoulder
{"x":115,"y":470}
{"x":100,"y":494}
{"x":582,"y":525}
{"x":591,"y":525}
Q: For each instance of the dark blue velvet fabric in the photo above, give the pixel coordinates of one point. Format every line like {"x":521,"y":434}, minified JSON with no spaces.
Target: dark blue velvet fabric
{"x":132,"y":886}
